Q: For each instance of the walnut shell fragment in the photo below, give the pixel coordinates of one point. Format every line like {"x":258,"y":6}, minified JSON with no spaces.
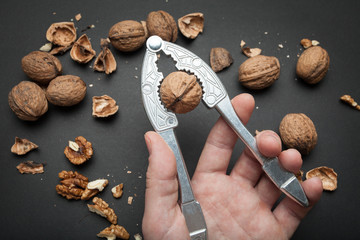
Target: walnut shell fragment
{"x":66,"y":90}
{"x":117,"y":191}
{"x":327,"y":175}
{"x":180,"y":92}
{"x":22,"y":146}
{"x":251,"y":52}
{"x":220,"y":58}
{"x":105,"y":61}
{"x":93,"y":188}
{"x":306,"y":43}
{"x":102,"y":208}
{"x":82,"y":154}
{"x":162,"y":24}
{"x":104,"y":106}
{"x":28,"y":101}
{"x":82,"y":51}
{"x":62,"y":34}
{"x":30,"y":167}
{"x":72,"y":185}
{"x":298,"y":131}
{"x":191,"y":24}
{"x":41,"y":67}
{"x":113,"y":232}
{"x":259,"y":72}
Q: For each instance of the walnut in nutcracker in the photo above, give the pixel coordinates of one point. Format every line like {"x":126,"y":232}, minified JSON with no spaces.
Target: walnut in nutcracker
{"x":180,"y":92}
{"x":162,"y":24}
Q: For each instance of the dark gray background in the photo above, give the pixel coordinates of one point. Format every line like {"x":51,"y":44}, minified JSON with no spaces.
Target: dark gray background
{"x":30,"y":207}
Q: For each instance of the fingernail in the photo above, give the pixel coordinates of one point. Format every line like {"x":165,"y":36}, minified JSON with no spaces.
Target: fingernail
{"x":148,"y":142}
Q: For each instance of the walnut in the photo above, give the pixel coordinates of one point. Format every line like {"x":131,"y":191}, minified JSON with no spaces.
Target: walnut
{"x":349,"y":100}
{"x":313,"y":64}
{"x":180,"y":92}
{"x":127,"y":36}
{"x":62,"y":34}
{"x":93,"y":188}
{"x":22,"y":146}
{"x":30,"y":167}
{"x":105,"y":61}
{"x":83,"y":153}
{"x":117,"y":191}
{"x":41,"y":67}
{"x":327,"y":175}
{"x":28,"y":101}
{"x":220,"y":58}
{"x":113,"y":232}
{"x":66,"y":90}
{"x":191,"y":24}
{"x":102,"y":208}
{"x":72,"y":184}
{"x":298,"y":131}
{"x":259,"y":72}
{"x":82,"y":50}
{"x":162,"y":24}
{"x":104,"y":106}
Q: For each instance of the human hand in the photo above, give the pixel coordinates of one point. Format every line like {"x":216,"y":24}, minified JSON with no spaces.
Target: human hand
{"x":235,"y":206}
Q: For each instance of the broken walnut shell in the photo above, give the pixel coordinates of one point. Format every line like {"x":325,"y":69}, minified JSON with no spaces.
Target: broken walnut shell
{"x":82,"y":50}
{"x":66,"y":90}
{"x":162,"y":24}
{"x":104,"y":106}
{"x":105,"y":61}
{"x":306,"y":43}
{"x":327,"y":175}
{"x":30,"y":167}
{"x":313,"y":64}
{"x":113,"y":232}
{"x":28,"y":101}
{"x":259,"y":72}
{"x":84,"y":152}
{"x":61,"y":33}
{"x":220,"y":58}
{"x":127,"y":36}
{"x":41,"y":67}
{"x":191,"y":24}
{"x":298,"y":131}
{"x":22,"y":146}
{"x":180,"y":92}
{"x":102,"y":208}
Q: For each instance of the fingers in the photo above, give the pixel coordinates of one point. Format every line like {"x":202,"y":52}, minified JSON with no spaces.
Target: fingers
{"x":221,"y":140}
{"x":289,"y":213}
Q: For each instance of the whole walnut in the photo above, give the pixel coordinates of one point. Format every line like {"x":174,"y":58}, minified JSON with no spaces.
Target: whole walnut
{"x":28,"y":101}
{"x":180,"y":92}
{"x":259,"y":72}
{"x":127,"y":36}
{"x":162,"y":24}
{"x":298,"y":131}
{"x":66,"y":90}
{"x":41,"y":67}
{"x":313,"y":64}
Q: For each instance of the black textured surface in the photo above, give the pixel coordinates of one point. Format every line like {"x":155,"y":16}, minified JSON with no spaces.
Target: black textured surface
{"x":31,"y":209}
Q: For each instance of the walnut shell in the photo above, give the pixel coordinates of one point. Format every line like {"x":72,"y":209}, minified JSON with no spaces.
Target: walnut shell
{"x":220,"y":58}
{"x":105,"y":61}
{"x":259,"y":72}
{"x":28,"y":101}
{"x":180,"y":92}
{"x":66,"y":90}
{"x":127,"y":36}
{"x":313,"y":64}
{"x":82,"y":50}
{"x":41,"y":67}
{"x":61,"y":33}
{"x":104,"y":106}
{"x":22,"y":146}
{"x":327,"y":175}
{"x":162,"y":24}
{"x":298,"y":131}
{"x":191,"y":24}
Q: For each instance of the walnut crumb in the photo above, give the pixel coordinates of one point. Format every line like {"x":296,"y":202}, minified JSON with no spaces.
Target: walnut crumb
{"x":130,"y":199}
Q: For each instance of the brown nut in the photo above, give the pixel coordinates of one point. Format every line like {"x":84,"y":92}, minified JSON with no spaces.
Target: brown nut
{"x":41,"y":67}
{"x":66,"y":90}
{"x":117,"y":191}
{"x":79,"y":151}
{"x":93,"y":188}
{"x":72,"y":185}
{"x":61,"y":33}
{"x":113,"y":232}
{"x":298,"y":131}
{"x":127,"y":36}
{"x":102,"y":208}
{"x":104,"y":106}
{"x":180,"y":92}
{"x":191,"y":24}
{"x":327,"y":175}
{"x":313,"y":64}
{"x":82,"y":50}
{"x":105,"y":61}
{"x":162,"y":24}
{"x":220,"y":58}
{"x":306,"y":43}
{"x":30,"y":167}
{"x":22,"y":146}
{"x":259,"y":72}
{"x":28,"y":101}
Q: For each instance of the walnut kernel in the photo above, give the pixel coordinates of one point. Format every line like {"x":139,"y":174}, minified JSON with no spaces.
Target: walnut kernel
{"x":30,"y":167}
{"x":349,"y":100}
{"x":22,"y":146}
{"x":72,"y":185}
{"x":191,"y":24}
{"x":117,"y":191}
{"x":82,"y":50}
{"x":327,"y":175}
{"x":102,"y":208}
{"x":82,"y":155}
{"x":93,"y":188}
{"x":220,"y":58}
{"x":113,"y":232}
{"x":162,"y":24}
